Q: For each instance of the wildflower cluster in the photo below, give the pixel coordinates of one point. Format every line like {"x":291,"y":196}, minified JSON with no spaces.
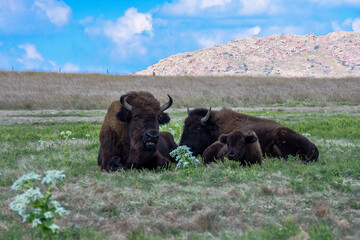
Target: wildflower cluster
{"x":184,"y":158}
{"x":34,"y":206}
{"x":66,"y":135}
{"x":306,"y":134}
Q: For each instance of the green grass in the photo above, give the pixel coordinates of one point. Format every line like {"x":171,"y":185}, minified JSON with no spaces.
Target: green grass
{"x":277,"y":200}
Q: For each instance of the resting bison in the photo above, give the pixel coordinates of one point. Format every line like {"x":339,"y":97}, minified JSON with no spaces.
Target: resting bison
{"x":129,"y":136}
{"x":203,"y":127}
{"x":236,"y":146}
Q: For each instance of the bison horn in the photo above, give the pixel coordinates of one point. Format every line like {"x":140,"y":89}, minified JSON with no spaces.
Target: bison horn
{"x":124,"y":102}
{"x":166,"y":105}
{"x":204,"y":119}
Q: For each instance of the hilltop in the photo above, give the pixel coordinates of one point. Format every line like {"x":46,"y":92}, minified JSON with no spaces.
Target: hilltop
{"x":336,"y":54}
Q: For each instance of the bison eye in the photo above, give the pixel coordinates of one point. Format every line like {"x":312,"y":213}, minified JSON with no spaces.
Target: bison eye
{"x":197,"y":129}
{"x":136,"y":117}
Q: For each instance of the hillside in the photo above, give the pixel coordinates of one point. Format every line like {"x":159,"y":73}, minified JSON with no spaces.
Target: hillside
{"x":335,"y":55}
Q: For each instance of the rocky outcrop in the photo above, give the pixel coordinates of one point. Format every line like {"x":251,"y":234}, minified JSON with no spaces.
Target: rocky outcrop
{"x":335,"y":55}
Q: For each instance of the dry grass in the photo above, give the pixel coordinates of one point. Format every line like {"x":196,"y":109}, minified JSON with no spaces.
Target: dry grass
{"x":38,"y":90}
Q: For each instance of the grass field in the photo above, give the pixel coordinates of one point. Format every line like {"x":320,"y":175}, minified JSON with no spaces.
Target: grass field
{"x":278,"y":200}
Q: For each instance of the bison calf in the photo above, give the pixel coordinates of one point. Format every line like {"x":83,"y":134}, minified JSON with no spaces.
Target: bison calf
{"x":236,"y":146}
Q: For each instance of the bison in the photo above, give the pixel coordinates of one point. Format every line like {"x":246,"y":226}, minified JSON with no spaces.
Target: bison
{"x":203,"y":127}
{"x":236,"y":146}
{"x":129,"y":136}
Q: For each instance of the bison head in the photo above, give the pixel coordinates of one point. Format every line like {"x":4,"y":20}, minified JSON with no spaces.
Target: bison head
{"x":199,"y":130}
{"x":288,"y":142}
{"x":143,"y":114}
{"x":236,"y":142}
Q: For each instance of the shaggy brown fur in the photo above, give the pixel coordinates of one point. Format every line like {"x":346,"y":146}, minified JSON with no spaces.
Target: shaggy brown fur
{"x":166,"y":145}
{"x":129,"y":138}
{"x":237,"y":146}
{"x":275,"y":139}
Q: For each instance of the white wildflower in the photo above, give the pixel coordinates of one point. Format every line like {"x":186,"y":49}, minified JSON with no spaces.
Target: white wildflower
{"x":61,"y":211}
{"x":54,"y":228}
{"x":49,"y":215}
{"x":27,"y":178}
{"x":33,"y":194}
{"x":62,"y":133}
{"x":87,"y":135}
{"x":53,"y":176}
{"x":37,"y":211}
{"x":55,"y":204}
{"x":68,"y":132}
{"x":35,"y":222}
{"x":306,"y":134}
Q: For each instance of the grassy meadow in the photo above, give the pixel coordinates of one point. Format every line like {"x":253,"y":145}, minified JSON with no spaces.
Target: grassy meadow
{"x":278,"y":200}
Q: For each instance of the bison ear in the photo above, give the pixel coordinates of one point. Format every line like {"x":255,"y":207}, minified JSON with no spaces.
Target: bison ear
{"x":164,"y":118}
{"x":223,"y":138}
{"x":124,"y":115}
{"x":251,"y":138}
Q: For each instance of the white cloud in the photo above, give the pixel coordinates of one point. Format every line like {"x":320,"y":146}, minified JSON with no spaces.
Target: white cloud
{"x":30,"y":52}
{"x":356,"y":24}
{"x":69,"y":67}
{"x":132,"y":23}
{"x":57,"y":11}
{"x":127,"y":32}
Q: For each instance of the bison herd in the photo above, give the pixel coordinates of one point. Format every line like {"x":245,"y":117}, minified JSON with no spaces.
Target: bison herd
{"x":130,"y":137}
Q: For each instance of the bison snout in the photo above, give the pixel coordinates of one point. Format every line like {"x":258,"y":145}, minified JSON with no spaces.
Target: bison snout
{"x":231,"y":156}
{"x":151,"y":138}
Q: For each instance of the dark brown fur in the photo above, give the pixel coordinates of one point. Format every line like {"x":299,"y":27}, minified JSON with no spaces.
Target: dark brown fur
{"x":275,"y":139}
{"x":237,"y":146}
{"x":122,"y":135}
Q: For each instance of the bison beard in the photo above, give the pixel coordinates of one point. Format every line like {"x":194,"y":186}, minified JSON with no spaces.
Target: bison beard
{"x":129,"y":136}
{"x":203,"y":127}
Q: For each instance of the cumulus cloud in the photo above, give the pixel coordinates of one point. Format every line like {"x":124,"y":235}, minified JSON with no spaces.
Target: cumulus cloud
{"x":127,"y":32}
{"x":131,"y":24}
{"x":57,"y":11}
{"x":30,"y":53}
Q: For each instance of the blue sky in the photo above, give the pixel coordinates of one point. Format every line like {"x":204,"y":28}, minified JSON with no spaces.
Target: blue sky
{"x":128,"y":36}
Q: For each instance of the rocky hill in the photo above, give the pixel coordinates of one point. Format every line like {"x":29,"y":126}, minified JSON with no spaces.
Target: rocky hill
{"x":335,"y":55}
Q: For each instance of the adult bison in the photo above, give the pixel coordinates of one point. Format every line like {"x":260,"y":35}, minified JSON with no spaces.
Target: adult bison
{"x":129,"y":135}
{"x":237,"y":146}
{"x":203,"y":127}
